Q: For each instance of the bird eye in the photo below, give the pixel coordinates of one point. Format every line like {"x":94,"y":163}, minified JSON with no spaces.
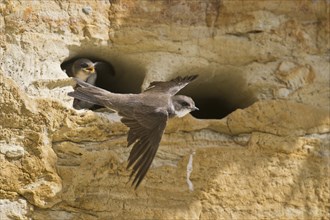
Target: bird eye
{"x":185,"y":104}
{"x":84,"y":65}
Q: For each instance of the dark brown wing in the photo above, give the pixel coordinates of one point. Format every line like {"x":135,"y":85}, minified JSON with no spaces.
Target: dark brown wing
{"x":171,"y":87}
{"x":146,"y":130}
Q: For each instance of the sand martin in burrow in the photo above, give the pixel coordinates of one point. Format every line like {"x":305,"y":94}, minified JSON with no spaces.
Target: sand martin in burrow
{"x":84,"y":69}
{"x":145,"y":114}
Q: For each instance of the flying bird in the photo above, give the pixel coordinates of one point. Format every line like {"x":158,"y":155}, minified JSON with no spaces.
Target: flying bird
{"x":145,"y":115}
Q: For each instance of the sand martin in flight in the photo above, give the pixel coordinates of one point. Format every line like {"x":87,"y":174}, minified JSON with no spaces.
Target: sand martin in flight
{"x":145,"y":114}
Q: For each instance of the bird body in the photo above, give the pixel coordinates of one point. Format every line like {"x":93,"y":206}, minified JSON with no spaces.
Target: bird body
{"x":145,"y":114}
{"x":84,"y":69}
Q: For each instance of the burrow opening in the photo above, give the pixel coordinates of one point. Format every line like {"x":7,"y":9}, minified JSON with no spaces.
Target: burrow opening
{"x":217,"y":95}
{"x":115,"y":76}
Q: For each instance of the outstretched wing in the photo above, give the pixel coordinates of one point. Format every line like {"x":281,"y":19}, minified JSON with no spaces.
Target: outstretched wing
{"x":171,"y":87}
{"x":146,"y":130}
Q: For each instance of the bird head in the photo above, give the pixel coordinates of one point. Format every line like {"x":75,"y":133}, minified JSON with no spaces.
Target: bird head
{"x":183,"y":105}
{"x":83,"y":68}
{"x":88,"y":68}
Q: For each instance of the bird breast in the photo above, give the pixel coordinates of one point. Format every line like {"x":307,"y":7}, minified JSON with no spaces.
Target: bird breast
{"x":181,"y":113}
{"x":82,"y":75}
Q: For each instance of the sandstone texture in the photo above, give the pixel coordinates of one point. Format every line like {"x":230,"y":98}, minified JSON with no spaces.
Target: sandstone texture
{"x":258,"y":149}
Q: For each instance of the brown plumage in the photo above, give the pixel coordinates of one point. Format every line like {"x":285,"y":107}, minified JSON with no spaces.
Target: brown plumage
{"x":145,"y":114}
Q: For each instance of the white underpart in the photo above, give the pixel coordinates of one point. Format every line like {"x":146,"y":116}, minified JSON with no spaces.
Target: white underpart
{"x":182,"y":112}
{"x":82,"y":75}
{"x":189,"y":170}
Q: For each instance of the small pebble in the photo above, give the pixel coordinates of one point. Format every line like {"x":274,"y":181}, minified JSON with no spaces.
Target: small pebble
{"x":87,"y":10}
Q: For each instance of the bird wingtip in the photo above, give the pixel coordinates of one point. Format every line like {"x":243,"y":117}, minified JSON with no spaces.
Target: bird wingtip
{"x":187,"y":78}
{"x":193,"y":77}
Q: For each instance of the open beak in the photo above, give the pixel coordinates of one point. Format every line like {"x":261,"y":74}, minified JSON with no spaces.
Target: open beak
{"x":91,"y":69}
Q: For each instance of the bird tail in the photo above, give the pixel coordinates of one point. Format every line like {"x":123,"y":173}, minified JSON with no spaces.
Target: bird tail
{"x":89,"y":93}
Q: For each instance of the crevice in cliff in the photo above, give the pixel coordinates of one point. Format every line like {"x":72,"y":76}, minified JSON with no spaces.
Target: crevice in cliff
{"x":244,"y":34}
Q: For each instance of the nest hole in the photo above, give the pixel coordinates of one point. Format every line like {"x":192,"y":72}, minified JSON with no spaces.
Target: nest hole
{"x":117,"y":76}
{"x":219,"y":95}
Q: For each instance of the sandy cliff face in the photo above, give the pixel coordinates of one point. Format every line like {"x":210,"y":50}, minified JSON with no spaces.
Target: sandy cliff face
{"x":259,"y":147}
